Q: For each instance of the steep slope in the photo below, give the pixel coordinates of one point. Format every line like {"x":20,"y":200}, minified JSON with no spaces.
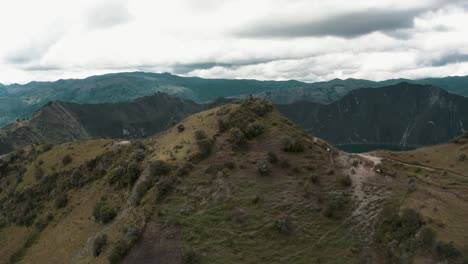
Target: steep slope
{"x":437,"y":183}
{"x":404,"y":114}
{"x":240,"y":183}
{"x":20,"y":101}
{"x":59,"y":122}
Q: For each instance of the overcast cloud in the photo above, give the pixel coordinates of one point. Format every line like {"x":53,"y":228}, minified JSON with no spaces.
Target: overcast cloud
{"x":308,"y":40}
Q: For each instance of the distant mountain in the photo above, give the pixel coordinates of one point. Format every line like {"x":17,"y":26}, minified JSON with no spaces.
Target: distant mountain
{"x":404,"y":114}
{"x":59,"y":122}
{"x":21,"y":101}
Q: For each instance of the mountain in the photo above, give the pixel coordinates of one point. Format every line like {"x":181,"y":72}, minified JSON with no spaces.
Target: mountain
{"x":403,"y":114}
{"x":21,"y":101}
{"x":59,"y":122}
{"x":240,"y":184}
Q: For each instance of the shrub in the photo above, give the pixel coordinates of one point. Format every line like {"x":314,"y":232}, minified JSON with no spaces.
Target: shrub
{"x":159,"y":168}
{"x":132,"y":173}
{"x":165,"y":186}
{"x":263,"y":108}
{"x":254,"y":129}
{"x":462,"y":157}
{"x":200,"y":134}
{"x":345,"y":181}
{"x":236,"y":136}
{"x":123,"y":246}
{"x":426,"y":237}
{"x":99,"y":244}
{"x":283,"y":225}
{"x":67,"y":159}
{"x":222,"y":125}
{"x":314,"y":179}
{"x":292,"y":145}
{"x":205,"y":146}
{"x":103,"y":213}
{"x":230,"y":165}
{"x":38,"y":174}
{"x":76,"y":179}
{"x":336,"y":202}
{"x":139,"y":155}
{"x":61,"y":201}
{"x":190,"y":257}
{"x":118,"y":252}
{"x":180,"y":128}
{"x":272,"y":158}
{"x":263,"y":167}
{"x":446,"y":250}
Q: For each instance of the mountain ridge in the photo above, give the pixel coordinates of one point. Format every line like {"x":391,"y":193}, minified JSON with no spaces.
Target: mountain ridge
{"x":20,"y":101}
{"x":403,"y":114}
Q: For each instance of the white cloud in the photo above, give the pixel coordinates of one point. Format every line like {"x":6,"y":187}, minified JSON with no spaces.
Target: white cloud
{"x":53,"y":39}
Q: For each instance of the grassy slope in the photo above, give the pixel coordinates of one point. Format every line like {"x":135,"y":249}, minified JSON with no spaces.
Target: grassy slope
{"x":441,"y":192}
{"x":221,"y":210}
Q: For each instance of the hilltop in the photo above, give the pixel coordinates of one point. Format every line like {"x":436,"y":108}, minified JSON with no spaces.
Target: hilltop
{"x":236,"y":183}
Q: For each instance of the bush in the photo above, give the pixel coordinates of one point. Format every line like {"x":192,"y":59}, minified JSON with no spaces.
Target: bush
{"x":446,"y":250}
{"x":104,"y":214}
{"x":180,"y":128}
{"x":165,"y":186}
{"x":272,"y":158}
{"x":314,"y":179}
{"x":236,"y":136}
{"x":336,"y":202}
{"x":200,"y":134}
{"x":222,"y":125}
{"x":99,"y":244}
{"x":263,"y":167}
{"x":426,"y":237}
{"x":190,"y":257}
{"x":61,"y":201}
{"x":292,"y":145}
{"x":205,"y":146}
{"x":462,"y":157}
{"x":76,"y":179}
{"x":254,"y":129}
{"x":67,"y":159}
{"x":123,"y":246}
{"x":344,"y":181}
{"x":38,"y":174}
{"x":118,"y":252}
{"x":159,"y":168}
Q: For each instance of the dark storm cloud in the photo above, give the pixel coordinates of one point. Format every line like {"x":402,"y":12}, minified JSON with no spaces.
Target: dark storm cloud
{"x":187,"y":68}
{"x":450,"y":59}
{"x":346,"y":25}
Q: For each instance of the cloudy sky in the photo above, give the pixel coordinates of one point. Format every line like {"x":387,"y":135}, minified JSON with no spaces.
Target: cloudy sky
{"x":308,"y":40}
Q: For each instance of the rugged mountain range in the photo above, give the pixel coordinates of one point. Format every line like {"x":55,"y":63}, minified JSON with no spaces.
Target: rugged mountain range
{"x":59,"y":122}
{"x":240,"y":184}
{"x":403,"y":114}
{"x":20,"y":101}
{"x":399,"y":115}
